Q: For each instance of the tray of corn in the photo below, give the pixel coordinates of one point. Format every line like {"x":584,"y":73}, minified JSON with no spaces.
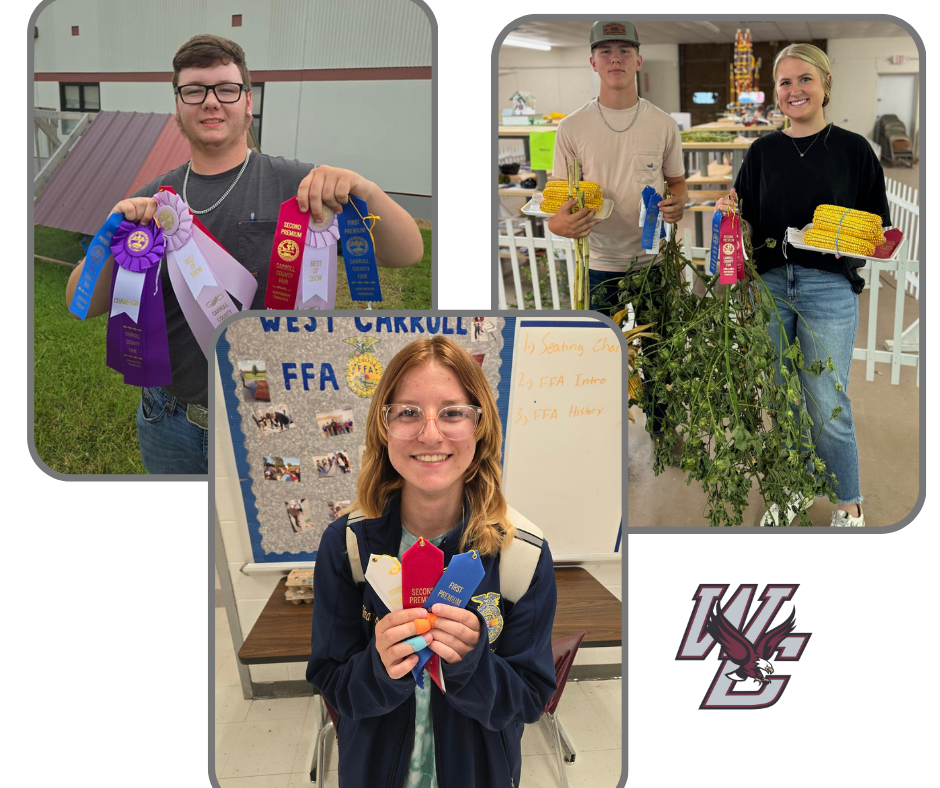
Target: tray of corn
{"x":549,"y":201}
{"x":846,"y":232}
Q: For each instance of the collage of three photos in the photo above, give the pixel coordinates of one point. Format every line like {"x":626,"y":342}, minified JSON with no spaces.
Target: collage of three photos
{"x":701,"y":232}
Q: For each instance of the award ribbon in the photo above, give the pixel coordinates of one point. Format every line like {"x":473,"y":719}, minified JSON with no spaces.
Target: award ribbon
{"x":205,"y":277}
{"x":286,"y":263}
{"x":98,"y":252}
{"x":384,"y":575}
{"x":318,"y":272}
{"x":455,"y":587}
{"x":137,"y":342}
{"x":652,"y":220}
{"x":359,"y":250}
{"x":716,"y":243}
{"x":422,"y":565}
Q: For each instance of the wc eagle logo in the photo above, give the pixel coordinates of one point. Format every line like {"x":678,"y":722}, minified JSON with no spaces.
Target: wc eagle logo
{"x":746,"y":677}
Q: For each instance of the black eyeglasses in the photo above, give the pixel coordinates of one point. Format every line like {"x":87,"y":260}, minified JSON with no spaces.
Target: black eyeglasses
{"x":225,"y":92}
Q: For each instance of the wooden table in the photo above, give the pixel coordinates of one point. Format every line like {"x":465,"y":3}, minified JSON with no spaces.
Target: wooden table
{"x":740,"y":128}
{"x":283,"y":630}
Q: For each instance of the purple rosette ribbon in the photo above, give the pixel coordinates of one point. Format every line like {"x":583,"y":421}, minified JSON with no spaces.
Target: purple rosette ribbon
{"x":137,"y":344}
{"x":318,"y":273}
{"x":205,"y":277}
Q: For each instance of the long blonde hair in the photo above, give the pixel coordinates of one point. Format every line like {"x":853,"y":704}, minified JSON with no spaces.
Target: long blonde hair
{"x":812,"y":55}
{"x":488,"y":527}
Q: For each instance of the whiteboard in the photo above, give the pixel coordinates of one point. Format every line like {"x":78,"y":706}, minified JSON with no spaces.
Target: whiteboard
{"x":564,"y":433}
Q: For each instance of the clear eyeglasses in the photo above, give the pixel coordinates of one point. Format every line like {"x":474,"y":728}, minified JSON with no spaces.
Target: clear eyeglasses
{"x":225,"y":92}
{"x":454,"y":422}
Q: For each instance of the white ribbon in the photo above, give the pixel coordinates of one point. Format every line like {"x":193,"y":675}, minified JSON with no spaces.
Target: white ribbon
{"x":128,"y":290}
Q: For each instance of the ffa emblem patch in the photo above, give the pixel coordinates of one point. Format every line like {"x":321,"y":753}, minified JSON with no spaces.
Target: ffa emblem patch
{"x":363,"y":370}
{"x":488,"y":605}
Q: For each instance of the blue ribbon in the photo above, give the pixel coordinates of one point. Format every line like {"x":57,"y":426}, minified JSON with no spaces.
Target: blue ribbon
{"x":362,"y":273}
{"x":99,"y":250}
{"x":458,"y":583}
{"x":651,"y":199}
{"x":716,"y":243}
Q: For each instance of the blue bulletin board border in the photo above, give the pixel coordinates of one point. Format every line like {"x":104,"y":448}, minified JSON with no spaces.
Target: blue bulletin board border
{"x":227,"y":373}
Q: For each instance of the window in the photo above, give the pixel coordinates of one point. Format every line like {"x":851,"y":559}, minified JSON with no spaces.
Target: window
{"x":78,"y":97}
{"x":257,"y":99}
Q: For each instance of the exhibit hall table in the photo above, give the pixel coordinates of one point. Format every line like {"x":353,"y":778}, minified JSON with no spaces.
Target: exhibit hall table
{"x":739,"y":128}
{"x":702,"y":149}
{"x":283,"y":631}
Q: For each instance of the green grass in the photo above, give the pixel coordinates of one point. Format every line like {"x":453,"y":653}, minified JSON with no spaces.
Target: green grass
{"x":84,"y":414}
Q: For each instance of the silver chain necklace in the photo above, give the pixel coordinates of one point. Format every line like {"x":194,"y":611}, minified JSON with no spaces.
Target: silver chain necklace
{"x":227,"y":191}
{"x":597,"y":103}
{"x":810,"y":145}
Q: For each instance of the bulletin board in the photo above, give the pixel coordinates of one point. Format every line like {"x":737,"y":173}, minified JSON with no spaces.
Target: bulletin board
{"x":297,"y":391}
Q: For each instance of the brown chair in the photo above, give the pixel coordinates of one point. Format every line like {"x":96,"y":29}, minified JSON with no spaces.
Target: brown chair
{"x":563,"y":653}
{"x":326,"y":725}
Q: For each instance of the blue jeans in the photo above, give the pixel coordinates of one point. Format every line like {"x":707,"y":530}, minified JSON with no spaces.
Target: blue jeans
{"x":830,"y":308}
{"x":169,"y":441}
{"x":608,"y":292}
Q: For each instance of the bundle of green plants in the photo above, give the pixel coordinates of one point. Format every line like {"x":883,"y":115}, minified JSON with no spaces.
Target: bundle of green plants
{"x":732,"y":421}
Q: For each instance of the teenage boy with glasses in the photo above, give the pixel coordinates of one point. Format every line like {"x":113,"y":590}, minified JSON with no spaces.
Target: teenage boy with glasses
{"x":236,"y":194}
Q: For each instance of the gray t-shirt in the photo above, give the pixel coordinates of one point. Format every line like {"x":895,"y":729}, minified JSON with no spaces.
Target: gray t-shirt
{"x":244,"y":224}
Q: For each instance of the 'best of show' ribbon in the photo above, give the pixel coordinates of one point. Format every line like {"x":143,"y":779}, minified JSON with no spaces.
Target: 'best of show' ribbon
{"x":359,"y":250}
{"x":205,"y":277}
{"x":98,"y":252}
{"x":137,"y":342}
{"x":318,"y":271}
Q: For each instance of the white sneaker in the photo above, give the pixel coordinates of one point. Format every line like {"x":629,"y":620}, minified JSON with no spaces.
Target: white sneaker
{"x":842,"y":519}
{"x":771,"y":517}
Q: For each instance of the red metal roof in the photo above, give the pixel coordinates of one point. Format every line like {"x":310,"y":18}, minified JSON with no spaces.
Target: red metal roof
{"x":117,"y":154}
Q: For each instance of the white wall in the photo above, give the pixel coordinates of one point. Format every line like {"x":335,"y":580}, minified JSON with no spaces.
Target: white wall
{"x":562,"y":79}
{"x":856,"y":64}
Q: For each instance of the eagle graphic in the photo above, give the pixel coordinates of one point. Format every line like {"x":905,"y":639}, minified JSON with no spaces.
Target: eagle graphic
{"x":752,"y":659}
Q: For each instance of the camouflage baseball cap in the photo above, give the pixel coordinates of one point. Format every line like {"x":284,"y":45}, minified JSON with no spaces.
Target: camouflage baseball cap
{"x":613,"y":31}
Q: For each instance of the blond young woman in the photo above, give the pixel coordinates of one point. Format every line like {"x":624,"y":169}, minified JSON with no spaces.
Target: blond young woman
{"x":431,"y":470}
{"x":785,"y":175}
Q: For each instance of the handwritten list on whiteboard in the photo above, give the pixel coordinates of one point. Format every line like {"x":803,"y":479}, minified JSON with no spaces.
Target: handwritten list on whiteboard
{"x":565,"y":433}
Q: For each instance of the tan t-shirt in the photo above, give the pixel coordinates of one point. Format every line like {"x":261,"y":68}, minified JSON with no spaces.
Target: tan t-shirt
{"x":622,"y":164}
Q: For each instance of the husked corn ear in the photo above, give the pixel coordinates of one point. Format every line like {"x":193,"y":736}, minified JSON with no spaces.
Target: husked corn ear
{"x":555,"y":194}
{"x":848,"y":244}
{"x":860,"y":224}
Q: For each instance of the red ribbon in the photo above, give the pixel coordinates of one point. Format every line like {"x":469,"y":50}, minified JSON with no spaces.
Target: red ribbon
{"x":422,"y":565}
{"x":287,"y":256}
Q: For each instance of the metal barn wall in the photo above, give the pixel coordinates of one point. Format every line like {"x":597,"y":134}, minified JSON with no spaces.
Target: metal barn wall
{"x":139,"y":35}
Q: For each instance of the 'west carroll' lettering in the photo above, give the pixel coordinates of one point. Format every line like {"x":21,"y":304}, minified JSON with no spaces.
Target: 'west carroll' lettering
{"x":413,"y":325}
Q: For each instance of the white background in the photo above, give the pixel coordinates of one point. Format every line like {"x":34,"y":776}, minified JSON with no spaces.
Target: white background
{"x":88,"y":651}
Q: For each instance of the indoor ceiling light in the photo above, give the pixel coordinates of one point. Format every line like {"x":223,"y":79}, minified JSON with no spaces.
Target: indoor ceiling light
{"x":527,"y":43}
{"x":710,"y":26}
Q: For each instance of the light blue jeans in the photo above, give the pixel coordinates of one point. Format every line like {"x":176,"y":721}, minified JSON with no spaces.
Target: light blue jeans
{"x":169,"y":442}
{"x":828,"y":306}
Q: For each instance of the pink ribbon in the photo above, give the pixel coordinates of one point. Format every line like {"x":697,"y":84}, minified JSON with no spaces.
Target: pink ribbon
{"x":204,"y":275}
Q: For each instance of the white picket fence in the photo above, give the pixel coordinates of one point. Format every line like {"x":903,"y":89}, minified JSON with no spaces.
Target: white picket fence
{"x":517,"y":240}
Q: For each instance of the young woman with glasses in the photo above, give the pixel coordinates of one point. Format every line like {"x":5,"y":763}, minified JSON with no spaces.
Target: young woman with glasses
{"x":431,"y":471}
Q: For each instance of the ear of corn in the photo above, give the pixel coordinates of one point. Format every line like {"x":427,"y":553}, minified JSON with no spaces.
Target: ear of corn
{"x":555,"y":194}
{"x":849,"y":222}
{"x":848,"y":244}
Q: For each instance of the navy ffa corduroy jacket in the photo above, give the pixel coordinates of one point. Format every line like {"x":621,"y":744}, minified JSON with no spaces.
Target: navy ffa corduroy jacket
{"x":503,"y":683}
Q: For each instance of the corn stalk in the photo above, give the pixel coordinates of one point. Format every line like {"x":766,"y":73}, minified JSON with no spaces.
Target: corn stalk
{"x":582,"y":279}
